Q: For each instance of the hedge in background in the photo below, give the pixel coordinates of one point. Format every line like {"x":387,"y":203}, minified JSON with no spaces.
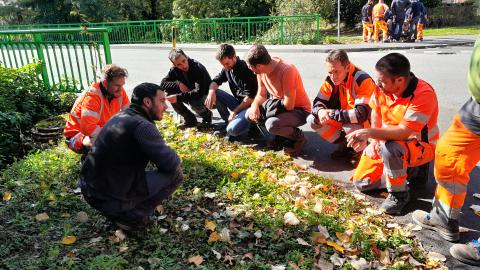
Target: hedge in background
{"x":24,"y":100}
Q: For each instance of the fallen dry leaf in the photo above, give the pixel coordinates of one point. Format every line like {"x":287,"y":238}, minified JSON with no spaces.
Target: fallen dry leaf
{"x":185,"y":227}
{"x":229,"y":195}
{"x":360,"y":264}
{"x":385,"y":257}
{"x":324,"y":264}
{"x":258,"y":234}
{"x":42,"y":217}
{"x":160,"y":209}
{"x":318,"y":208}
{"x":118,"y":236}
{"x":414,"y":262}
{"x":248,"y":256}
{"x":278,"y":267}
{"x":217,"y":254}
{"x":336,"y":246}
{"x":82,"y":217}
{"x":436,"y":256}
{"x":210,"y":225}
{"x":278,"y":234}
{"x":303,"y":242}
{"x":225,"y":235}
{"x":7,"y":196}
{"x":234,"y":174}
{"x":214,"y":237}
{"x":122,"y":249}
{"x":68,"y":240}
{"x":336,"y":260}
{"x":197,"y":260}
{"x":345,"y":238}
{"x":290,"y":219}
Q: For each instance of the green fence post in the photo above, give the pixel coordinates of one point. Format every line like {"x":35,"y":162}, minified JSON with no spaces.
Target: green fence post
{"x":106,"y":47}
{"x":248,"y":30}
{"x":129,"y":33}
{"x":155,"y":31}
{"x":281,"y":31}
{"x":174,"y":37}
{"x":214,"y":30}
{"x":37,"y":38}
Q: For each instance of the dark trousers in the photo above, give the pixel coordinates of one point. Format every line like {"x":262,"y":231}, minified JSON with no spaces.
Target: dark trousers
{"x":397,"y":27}
{"x":197,"y":106}
{"x":160,"y":186}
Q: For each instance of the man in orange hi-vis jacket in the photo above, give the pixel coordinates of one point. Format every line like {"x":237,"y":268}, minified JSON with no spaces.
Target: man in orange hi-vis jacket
{"x":379,"y":22}
{"x":403,"y":134}
{"x":94,"y":107}
{"x":457,"y":153}
{"x":341,"y":105}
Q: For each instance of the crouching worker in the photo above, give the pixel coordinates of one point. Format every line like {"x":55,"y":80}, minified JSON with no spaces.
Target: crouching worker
{"x":113,"y":177}
{"x":341,"y":105}
{"x":94,"y":107}
{"x":281,"y":101}
{"x":403,"y":134}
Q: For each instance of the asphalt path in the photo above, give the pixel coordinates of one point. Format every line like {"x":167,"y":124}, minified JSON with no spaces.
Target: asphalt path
{"x":444,"y":68}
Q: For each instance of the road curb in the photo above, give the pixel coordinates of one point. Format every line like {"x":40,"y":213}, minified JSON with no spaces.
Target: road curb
{"x":299,"y":48}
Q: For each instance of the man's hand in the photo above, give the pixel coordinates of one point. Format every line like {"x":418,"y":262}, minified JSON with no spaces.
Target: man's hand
{"x":211,"y":99}
{"x":172,"y":99}
{"x":232,"y":116}
{"x":87,"y":142}
{"x":372,"y":150}
{"x":183,"y":87}
{"x":323,"y":116}
{"x":358,"y":139}
{"x":254,"y":114}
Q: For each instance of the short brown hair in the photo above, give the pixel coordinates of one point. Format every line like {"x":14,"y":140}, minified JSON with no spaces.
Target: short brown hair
{"x":258,"y":54}
{"x":337,"y":55}
{"x":113,"y":71}
{"x":225,"y":50}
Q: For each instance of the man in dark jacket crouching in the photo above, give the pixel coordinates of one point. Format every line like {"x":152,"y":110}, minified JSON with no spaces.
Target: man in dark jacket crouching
{"x":113,"y":177}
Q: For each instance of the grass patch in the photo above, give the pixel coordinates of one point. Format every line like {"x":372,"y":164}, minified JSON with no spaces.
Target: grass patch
{"x":458,"y":30}
{"x":229,"y":211}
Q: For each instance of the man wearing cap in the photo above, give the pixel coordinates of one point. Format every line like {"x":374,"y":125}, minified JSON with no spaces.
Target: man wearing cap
{"x":113,"y":177}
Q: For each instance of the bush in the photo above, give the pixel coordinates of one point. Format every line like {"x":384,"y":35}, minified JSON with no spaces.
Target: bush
{"x":24,"y":100}
{"x":453,"y":15}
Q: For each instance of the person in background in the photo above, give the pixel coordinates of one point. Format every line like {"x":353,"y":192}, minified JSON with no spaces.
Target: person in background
{"x":94,"y":107}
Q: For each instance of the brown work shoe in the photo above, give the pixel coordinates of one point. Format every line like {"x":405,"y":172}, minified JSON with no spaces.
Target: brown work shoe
{"x":467,"y":253}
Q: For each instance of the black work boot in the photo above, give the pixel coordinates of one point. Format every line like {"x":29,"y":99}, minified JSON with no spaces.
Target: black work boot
{"x":206,"y":118}
{"x":299,"y":141}
{"x":395,"y":202}
{"x":447,"y":228}
{"x":188,"y":123}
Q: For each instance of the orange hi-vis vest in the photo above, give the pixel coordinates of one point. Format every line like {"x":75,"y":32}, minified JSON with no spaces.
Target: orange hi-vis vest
{"x":92,"y":110}
{"x":416,"y":109}
{"x":379,"y":10}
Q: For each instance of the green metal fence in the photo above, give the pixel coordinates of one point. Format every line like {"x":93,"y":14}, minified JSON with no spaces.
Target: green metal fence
{"x":70,"y":58}
{"x":268,"y":29}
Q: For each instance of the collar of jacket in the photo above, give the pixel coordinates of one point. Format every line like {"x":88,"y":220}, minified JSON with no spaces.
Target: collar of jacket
{"x":105,"y":92}
{"x":140,"y":111}
{"x":412,"y":85}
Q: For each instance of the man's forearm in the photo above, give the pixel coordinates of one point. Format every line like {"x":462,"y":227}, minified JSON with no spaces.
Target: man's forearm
{"x":245,"y":104}
{"x":390,"y":133}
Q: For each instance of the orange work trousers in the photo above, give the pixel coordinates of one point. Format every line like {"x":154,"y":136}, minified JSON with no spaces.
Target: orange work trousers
{"x":367,"y":31}
{"x":380,"y":25}
{"x":420,"y":31}
{"x":457,"y":153}
{"x":331,"y":131}
{"x":395,"y":158}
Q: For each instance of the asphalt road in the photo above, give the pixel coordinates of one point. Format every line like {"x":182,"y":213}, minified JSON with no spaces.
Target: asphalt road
{"x":444,"y":68}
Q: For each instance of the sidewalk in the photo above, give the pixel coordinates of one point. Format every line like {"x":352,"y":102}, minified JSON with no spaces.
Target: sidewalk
{"x":428,"y":42}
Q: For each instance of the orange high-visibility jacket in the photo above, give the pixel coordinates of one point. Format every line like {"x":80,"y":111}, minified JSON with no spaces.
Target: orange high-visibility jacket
{"x":92,"y":110}
{"x":379,"y":10}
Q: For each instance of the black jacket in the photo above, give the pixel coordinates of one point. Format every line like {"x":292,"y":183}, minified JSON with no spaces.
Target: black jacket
{"x":196,"y":79}
{"x":241,"y":80}
{"x":115,"y":168}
